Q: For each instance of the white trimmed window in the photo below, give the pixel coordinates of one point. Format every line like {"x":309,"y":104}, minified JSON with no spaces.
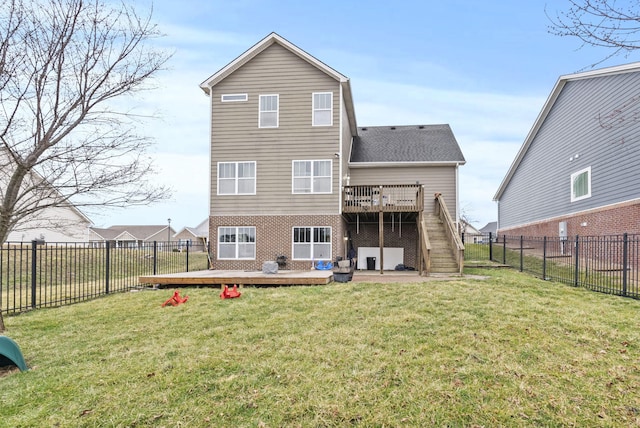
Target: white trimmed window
{"x":322,"y":109}
{"x":311,"y":176}
{"x":237,"y":178}
{"x":233,"y":98}
{"x":312,"y":243}
{"x":268,"y":114}
{"x":581,"y":184}
{"x":237,"y":243}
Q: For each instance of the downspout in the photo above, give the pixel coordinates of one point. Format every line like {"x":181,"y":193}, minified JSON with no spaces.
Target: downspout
{"x":457,"y":195}
{"x":210,"y":179}
{"x":340,"y":160}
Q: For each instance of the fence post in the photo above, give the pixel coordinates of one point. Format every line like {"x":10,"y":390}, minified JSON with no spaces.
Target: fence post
{"x":187,"y":255}
{"x":155,"y":257}
{"x":34,"y":270}
{"x":577,"y":271}
{"x":107,"y":266}
{"x":521,"y":251}
{"x":504,"y":249}
{"x":544,"y":258}
{"x":490,"y":246}
{"x":625,"y":260}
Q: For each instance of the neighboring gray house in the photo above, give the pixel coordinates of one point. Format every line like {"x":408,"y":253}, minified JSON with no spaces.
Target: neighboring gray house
{"x":293,"y":176}
{"x":577,"y":171}
{"x":130,"y":236}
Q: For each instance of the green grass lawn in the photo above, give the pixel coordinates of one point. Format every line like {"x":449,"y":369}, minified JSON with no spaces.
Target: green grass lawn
{"x":510,"y":350}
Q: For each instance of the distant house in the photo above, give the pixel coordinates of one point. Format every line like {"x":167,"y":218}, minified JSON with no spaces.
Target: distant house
{"x":65,"y":223}
{"x":491,"y":227}
{"x":577,"y":170}
{"x":196,"y":237}
{"x":471,"y":234}
{"x":294,"y":176}
{"x":52,"y":217}
{"x":130,"y":236}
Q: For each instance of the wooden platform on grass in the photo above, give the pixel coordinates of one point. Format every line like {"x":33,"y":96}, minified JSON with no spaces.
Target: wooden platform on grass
{"x":230,"y":277}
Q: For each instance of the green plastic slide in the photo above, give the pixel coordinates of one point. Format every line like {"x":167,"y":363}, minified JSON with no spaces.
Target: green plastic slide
{"x":10,"y":354}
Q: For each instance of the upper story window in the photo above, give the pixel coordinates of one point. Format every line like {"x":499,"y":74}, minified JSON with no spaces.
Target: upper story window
{"x":312,"y":176}
{"x":581,"y":184}
{"x":322,"y":109}
{"x":268,"y":114}
{"x":233,"y":98}
{"x":237,"y":178}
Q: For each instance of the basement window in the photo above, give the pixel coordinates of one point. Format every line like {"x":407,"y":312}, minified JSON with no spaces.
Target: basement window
{"x":312,"y":243}
{"x":237,"y":243}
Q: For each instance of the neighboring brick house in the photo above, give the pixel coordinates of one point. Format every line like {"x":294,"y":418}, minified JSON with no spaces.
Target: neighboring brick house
{"x":577,"y":171}
{"x":292,"y":174}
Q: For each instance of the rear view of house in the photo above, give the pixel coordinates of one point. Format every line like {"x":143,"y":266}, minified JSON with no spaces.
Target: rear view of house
{"x":576,"y":173}
{"x":293,"y":178}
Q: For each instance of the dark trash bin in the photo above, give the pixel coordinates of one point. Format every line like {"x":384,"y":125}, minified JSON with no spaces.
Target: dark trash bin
{"x":371,"y":263}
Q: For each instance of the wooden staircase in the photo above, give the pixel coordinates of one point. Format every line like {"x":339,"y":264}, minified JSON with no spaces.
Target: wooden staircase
{"x":442,"y":258}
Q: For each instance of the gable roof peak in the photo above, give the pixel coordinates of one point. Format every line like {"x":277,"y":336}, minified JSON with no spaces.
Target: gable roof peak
{"x":269,"y":40}
{"x":259,"y":47}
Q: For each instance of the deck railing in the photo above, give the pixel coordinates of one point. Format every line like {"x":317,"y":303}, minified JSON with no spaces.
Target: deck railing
{"x":450,"y":230}
{"x":426,"y":250}
{"x":383,"y":198}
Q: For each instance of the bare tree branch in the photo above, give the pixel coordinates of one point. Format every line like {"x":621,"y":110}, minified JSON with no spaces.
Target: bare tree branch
{"x":600,"y":23}
{"x":64,"y":137}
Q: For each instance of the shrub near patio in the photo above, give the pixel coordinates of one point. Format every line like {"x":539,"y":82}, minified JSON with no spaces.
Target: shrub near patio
{"x":509,"y":350}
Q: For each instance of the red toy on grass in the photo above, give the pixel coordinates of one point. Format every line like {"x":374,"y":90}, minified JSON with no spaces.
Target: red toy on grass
{"x":175,"y":300}
{"x":229,"y":294}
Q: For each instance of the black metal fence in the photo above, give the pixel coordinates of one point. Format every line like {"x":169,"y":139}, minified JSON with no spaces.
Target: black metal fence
{"x":35,"y":275}
{"x":608,"y":264}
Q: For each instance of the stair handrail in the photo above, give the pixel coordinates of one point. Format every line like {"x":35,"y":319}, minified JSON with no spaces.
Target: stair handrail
{"x":426,"y":248}
{"x":450,"y":230}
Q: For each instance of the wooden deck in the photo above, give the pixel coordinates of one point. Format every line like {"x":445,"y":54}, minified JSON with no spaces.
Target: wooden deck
{"x":230,"y":277}
{"x":386,"y":198}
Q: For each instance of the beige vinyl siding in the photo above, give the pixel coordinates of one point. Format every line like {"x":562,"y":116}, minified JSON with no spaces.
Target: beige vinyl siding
{"x":237,"y":137}
{"x":434,"y":179}
{"x":346,"y":145}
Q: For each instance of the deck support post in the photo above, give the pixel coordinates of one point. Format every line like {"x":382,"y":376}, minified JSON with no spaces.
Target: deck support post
{"x":419,"y":243}
{"x":381,"y":230}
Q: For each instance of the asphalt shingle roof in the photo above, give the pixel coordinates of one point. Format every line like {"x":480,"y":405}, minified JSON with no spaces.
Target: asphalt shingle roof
{"x":139,"y":232}
{"x":415,"y":143}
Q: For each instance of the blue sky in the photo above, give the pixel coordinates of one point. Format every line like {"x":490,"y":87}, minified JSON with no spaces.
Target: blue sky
{"x":485,"y":68}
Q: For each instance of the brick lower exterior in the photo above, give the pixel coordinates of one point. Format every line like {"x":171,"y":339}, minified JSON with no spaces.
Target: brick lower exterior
{"x":274,"y":237}
{"x":395,"y":235}
{"x":613,"y":220}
